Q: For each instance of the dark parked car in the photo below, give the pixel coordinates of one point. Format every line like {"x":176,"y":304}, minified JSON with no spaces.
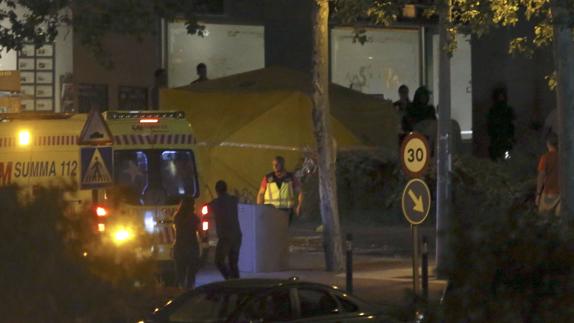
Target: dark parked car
{"x":266,"y":300}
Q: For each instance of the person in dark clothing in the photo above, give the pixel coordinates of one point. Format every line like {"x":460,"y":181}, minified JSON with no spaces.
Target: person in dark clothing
{"x":500,"y":122}
{"x":160,"y":82}
{"x":186,"y":247}
{"x":403,"y":102}
{"x":418,"y":110}
{"x":224,"y":209}
{"x":201,"y":70}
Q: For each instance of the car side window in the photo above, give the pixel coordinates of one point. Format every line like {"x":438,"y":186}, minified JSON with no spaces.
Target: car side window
{"x":315,"y":302}
{"x":346,"y":305}
{"x":206,"y":306}
{"x":272,"y":307}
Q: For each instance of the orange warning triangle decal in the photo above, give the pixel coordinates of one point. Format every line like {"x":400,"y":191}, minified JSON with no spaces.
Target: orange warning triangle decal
{"x":95,"y":131}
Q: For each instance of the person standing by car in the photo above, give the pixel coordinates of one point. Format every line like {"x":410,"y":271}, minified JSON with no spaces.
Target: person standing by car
{"x":279,"y":188}
{"x":186,"y":247}
{"x":224,"y":210}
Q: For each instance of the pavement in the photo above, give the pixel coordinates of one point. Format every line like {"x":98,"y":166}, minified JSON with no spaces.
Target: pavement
{"x":382,"y":271}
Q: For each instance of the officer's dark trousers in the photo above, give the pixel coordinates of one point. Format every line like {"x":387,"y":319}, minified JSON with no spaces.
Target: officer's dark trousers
{"x":227,"y":257}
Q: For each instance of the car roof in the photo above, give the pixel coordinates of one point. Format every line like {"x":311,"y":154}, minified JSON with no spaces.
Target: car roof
{"x":257,"y":286}
{"x":261,"y":283}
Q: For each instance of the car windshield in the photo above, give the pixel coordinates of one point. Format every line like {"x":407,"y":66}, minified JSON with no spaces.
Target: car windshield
{"x":155,"y":177}
{"x":212,"y":305}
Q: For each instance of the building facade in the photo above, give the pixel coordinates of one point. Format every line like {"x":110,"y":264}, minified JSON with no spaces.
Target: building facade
{"x":243,"y":35}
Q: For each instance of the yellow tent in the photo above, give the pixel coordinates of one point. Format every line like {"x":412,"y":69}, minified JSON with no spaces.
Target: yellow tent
{"x":242,"y":121}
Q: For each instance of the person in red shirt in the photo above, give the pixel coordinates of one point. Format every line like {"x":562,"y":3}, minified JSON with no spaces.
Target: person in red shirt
{"x":281,"y":189}
{"x":547,"y":185}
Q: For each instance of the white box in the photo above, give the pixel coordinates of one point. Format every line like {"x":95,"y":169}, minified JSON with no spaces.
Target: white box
{"x":265,"y":243}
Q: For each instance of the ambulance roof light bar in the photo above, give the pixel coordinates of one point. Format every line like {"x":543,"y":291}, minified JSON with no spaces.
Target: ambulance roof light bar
{"x":35,"y":116}
{"x":143,"y":115}
{"x":149,"y":120}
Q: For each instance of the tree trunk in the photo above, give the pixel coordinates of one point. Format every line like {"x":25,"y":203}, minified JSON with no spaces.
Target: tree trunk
{"x":327,"y":180}
{"x":564,"y":64}
{"x":443,"y":192}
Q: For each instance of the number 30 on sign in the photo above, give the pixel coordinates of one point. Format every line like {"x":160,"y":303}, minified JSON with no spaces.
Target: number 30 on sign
{"x":415,"y":154}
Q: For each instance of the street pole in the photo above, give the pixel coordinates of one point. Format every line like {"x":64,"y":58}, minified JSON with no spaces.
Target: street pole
{"x":332,"y":240}
{"x":349,"y":266}
{"x":443,"y":192}
{"x":416,"y":254}
{"x":425,"y":269}
{"x":564,"y":64}
{"x":95,"y":196}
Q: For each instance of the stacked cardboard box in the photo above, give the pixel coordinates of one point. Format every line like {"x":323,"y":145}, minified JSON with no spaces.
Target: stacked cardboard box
{"x":10,"y":95}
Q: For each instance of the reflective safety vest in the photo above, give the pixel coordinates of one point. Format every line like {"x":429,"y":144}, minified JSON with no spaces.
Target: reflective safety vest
{"x":280,"y":197}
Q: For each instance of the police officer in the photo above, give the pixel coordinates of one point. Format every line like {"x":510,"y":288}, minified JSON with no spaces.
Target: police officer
{"x":280,"y":189}
{"x":186,"y":247}
{"x":224,"y":210}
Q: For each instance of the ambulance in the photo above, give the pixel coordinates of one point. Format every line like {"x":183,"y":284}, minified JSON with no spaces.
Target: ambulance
{"x":132,"y":168}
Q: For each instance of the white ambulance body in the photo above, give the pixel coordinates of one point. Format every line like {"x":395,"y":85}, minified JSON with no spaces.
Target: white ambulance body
{"x":153,"y":168}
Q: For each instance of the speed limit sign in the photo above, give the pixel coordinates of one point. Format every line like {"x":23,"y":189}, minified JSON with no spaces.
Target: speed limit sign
{"x":415,"y":154}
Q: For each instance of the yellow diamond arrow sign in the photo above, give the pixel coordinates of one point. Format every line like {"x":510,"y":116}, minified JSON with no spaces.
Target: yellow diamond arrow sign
{"x":416,"y":201}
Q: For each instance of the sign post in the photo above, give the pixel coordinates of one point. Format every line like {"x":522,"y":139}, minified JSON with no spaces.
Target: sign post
{"x":416,"y":198}
{"x":96,"y":162}
{"x":96,"y":167}
{"x":415,"y":155}
{"x":416,"y":266}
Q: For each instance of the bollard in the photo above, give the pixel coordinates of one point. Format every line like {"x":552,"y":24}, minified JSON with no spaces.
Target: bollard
{"x":425,"y":269}
{"x":349,"y":274}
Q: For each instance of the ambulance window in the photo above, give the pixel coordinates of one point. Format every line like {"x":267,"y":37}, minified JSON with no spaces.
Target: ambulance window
{"x":178,"y":173}
{"x":131,"y":170}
